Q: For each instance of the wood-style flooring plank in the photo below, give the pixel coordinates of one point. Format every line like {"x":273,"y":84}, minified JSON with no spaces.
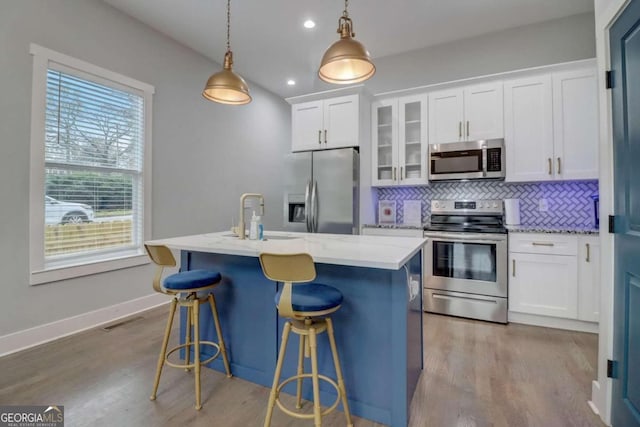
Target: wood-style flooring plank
{"x":475,"y":374}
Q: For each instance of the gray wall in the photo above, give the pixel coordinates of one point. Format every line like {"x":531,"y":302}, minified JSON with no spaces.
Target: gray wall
{"x":551,"y":42}
{"x":204,"y":155}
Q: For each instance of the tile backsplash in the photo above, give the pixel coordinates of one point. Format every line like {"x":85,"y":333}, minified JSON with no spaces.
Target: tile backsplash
{"x":569,"y":203}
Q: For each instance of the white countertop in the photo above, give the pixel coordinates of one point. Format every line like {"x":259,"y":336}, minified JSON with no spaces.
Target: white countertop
{"x":383,"y":252}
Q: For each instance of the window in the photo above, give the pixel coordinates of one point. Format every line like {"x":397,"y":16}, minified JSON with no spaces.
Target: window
{"x":90,"y":187}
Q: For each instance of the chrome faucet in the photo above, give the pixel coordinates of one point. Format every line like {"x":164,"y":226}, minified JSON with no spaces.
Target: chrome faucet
{"x":241,"y":227}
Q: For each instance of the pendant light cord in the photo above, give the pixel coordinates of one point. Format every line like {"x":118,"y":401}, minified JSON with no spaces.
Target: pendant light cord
{"x":228,"y":25}
{"x":345,"y":13}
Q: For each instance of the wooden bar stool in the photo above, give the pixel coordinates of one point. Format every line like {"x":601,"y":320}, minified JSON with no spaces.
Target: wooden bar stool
{"x":184,"y":287}
{"x":307,"y":308}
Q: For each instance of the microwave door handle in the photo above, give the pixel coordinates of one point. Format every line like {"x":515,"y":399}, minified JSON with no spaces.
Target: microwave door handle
{"x":484,"y":161}
{"x":307,"y":206}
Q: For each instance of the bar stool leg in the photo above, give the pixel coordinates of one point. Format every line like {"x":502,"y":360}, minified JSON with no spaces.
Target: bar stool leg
{"x":196,"y":349}
{"x":276,"y":376}
{"x":187,"y":349}
{"x":163,"y":350}
{"x":216,"y":321}
{"x":336,"y":362}
{"x":313,"y":344}
{"x":300,"y":372}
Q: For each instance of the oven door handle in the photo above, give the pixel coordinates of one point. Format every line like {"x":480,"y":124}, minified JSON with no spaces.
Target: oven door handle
{"x":461,"y":237}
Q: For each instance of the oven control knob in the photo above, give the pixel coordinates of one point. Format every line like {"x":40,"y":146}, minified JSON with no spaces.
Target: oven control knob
{"x":495,"y":205}
{"x":481,"y":205}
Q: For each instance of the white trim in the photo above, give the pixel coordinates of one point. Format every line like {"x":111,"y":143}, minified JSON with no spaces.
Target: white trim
{"x":553,"y":322}
{"x":86,"y":269}
{"x":601,"y":395}
{"x":86,"y":67}
{"x":31,"y":337}
{"x":40,"y":273}
{"x":506,"y":75}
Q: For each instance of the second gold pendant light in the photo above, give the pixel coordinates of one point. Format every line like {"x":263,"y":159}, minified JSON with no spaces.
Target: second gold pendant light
{"x":347,"y":60}
{"x":227,"y":87}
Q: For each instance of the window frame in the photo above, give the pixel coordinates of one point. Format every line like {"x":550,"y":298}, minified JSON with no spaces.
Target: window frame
{"x":38,"y":272}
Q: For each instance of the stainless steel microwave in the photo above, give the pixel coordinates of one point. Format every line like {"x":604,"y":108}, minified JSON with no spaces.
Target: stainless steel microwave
{"x":482,"y":159}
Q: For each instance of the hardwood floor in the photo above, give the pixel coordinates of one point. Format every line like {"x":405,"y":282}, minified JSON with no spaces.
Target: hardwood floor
{"x":476,"y":374}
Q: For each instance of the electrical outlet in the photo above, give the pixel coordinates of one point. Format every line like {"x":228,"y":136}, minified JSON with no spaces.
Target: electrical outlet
{"x":543,"y":205}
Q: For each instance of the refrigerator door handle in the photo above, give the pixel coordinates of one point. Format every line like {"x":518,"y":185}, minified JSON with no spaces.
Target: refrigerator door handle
{"x":307,"y":206}
{"x":314,"y":207}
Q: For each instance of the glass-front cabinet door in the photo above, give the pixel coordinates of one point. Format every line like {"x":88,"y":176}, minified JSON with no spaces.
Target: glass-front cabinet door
{"x":399,"y":154}
{"x":412,"y":140}
{"x":385,"y":138}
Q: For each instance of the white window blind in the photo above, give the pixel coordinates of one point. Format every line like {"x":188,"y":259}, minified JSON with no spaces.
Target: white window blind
{"x":94,"y":160}
{"x":90,"y":176}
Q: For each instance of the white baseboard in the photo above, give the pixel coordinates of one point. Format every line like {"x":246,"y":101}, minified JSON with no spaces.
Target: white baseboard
{"x":37,"y":335}
{"x":553,"y":322}
{"x":595,"y":392}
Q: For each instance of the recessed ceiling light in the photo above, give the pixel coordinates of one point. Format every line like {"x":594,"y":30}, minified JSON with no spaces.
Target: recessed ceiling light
{"x":309,"y":24}
{"x":291,"y":82}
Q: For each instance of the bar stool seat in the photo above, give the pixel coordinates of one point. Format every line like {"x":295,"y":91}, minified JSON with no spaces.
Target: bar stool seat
{"x":306,"y":306}
{"x":313,"y":297}
{"x":189,"y":289}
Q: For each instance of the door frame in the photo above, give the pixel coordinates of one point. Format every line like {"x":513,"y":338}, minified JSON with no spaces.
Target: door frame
{"x":601,"y":392}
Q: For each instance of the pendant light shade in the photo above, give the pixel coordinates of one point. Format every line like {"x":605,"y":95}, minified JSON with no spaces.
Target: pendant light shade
{"x":347,"y":60}
{"x":227,"y":87}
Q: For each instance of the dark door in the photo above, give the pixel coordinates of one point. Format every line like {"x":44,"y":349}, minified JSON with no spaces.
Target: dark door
{"x":625,"y":60}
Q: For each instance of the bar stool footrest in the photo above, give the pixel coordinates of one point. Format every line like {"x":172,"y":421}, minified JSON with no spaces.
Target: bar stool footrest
{"x":307,"y":416}
{"x":185,"y":364}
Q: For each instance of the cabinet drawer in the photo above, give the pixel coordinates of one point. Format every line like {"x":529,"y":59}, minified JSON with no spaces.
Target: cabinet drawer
{"x":539,"y":243}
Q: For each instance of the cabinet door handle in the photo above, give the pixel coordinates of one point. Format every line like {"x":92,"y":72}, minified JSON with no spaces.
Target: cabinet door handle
{"x":588,"y":253}
{"x":394,"y":173}
{"x":401,"y":172}
{"x":550,"y":166}
{"x":513,"y":268}
{"x":319,"y":137}
{"x":542,"y":244}
{"x":460,"y":130}
{"x":467,"y":128}
{"x":325,"y":136}
{"x":559,"y":166}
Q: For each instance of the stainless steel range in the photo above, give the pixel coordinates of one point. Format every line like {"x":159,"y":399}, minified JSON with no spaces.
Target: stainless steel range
{"x":465,"y":261}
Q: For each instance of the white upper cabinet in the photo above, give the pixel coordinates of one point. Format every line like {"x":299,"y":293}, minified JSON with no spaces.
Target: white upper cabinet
{"x":528,"y":113}
{"x":327,"y":123}
{"x":483,"y":112}
{"x":446,"y":111}
{"x":307,"y":125}
{"x":463,"y":114}
{"x":575,"y":116}
{"x":399,"y":155}
{"x":551,"y":126}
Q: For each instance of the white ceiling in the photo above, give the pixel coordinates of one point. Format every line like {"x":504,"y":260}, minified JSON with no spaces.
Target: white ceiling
{"x":270,"y":45}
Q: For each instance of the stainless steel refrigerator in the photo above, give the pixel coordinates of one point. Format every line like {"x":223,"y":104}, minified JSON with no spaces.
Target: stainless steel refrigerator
{"x":321,"y":191}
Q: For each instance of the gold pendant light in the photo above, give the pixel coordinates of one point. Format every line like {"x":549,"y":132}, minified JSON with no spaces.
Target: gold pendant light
{"x":347,"y":60}
{"x":226,"y":87}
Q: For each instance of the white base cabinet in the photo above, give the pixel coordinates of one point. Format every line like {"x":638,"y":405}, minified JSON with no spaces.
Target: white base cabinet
{"x":544,"y":284}
{"x":554,"y":275}
{"x":588,"y":278}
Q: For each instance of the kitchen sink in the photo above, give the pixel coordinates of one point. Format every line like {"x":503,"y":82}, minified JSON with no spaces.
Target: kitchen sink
{"x":266,"y":237}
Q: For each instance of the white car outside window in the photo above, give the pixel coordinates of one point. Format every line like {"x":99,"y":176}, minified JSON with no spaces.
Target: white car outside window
{"x":59,"y":212}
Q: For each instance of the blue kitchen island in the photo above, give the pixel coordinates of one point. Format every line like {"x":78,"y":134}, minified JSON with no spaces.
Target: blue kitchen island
{"x":378,"y":328}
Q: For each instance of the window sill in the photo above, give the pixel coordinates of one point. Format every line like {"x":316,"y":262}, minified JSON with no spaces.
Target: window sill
{"x":86,"y":269}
